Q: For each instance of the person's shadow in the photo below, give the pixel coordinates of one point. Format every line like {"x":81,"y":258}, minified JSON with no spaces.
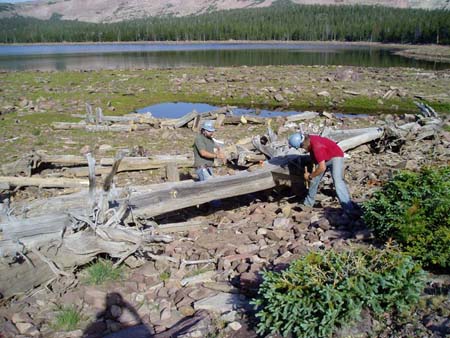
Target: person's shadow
{"x":115,"y":306}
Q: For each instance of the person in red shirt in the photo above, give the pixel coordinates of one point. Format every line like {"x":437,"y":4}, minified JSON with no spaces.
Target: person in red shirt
{"x":327,"y":155}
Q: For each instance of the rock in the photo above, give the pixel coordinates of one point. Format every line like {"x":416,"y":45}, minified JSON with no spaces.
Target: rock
{"x":116,"y":311}
{"x":95,"y":298}
{"x":235,"y":326}
{"x":278,"y":97}
{"x":133,"y":262}
{"x":221,"y":286}
{"x":334,"y":234}
{"x":242,"y":267}
{"x":364,"y":235}
{"x":323,"y":94}
{"x":201,"y":293}
{"x":186,"y":310}
{"x":128,"y":318}
{"x":229,"y":316}
{"x":281,"y":223}
{"x":203,"y":277}
{"x":246,"y":249}
{"x":222,"y":302}
{"x":322,"y":223}
{"x":250,"y":280}
{"x":21,"y":317}
{"x":9,"y":330}
{"x":105,"y":148}
{"x":24,"y":328}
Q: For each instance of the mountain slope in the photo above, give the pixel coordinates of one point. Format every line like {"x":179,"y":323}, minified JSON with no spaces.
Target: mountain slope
{"x":119,"y":10}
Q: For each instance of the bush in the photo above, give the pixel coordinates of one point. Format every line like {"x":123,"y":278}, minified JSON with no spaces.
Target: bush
{"x":414,"y":210}
{"x":327,"y":290}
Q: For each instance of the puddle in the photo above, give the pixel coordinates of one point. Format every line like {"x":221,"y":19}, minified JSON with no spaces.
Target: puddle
{"x":174,"y":110}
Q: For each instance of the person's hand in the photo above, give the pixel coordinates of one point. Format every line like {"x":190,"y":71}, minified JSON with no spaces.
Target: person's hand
{"x":307,"y":175}
{"x":220,"y":155}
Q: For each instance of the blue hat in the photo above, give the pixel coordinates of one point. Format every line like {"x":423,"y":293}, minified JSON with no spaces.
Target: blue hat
{"x":296,"y":140}
{"x":208,"y":125}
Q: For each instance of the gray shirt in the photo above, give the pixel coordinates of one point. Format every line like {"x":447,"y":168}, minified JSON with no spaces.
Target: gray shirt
{"x":203,"y":143}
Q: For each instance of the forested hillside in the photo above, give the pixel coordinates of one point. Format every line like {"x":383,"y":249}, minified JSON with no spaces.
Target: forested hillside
{"x":282,"y":22}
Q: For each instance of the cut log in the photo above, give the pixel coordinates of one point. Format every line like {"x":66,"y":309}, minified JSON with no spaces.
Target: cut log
{"x":44,"y":182}
{"x":343,"y":134}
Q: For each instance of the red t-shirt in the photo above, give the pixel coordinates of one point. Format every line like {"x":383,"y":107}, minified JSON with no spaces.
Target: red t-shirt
{"x":324,"y":149}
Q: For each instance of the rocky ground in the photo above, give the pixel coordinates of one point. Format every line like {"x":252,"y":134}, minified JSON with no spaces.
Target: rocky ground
{"x":209,"y":296}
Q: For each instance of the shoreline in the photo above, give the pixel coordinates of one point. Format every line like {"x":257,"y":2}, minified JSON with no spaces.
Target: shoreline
{"x":429,"y":52}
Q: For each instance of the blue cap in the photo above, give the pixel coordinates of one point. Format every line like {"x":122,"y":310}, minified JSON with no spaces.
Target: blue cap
{"x":296,"y":140}
{"x":208,"y":125}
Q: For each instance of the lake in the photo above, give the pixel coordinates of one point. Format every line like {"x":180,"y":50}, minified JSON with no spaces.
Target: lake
{"x":63,"y":57}
{"x":176,"y":110}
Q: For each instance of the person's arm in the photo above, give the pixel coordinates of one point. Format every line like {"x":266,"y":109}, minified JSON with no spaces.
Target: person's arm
{"x":319,"y":171}
{"x":206,"y":154}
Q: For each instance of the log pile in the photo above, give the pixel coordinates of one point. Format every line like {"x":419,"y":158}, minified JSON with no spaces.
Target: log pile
{"x":49,"y":238}
{"x":143,"y":121}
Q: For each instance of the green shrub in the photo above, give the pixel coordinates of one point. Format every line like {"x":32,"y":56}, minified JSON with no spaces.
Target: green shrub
{"x":414,"y":210}
{"x":327,"y":290}
{"x":102,"y":271}
{"x":67,"y":318}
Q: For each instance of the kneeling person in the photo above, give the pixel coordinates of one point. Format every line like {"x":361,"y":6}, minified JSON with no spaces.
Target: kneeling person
{"x":205,"y":151}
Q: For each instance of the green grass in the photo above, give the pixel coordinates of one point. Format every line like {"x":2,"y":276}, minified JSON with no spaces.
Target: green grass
{"x":102,"y":271}
{"x":68,"y":318}
{"x":164,"y":276}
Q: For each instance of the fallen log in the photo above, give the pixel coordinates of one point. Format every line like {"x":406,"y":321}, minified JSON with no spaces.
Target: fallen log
{"x":358,"y":140}
{"x":178,"y":123}
{"x":128,"y":164}
{"x":178,"y":197}
{"x":307,"y":115}
{"x":44,"y":182}
{"x":233,"y":119}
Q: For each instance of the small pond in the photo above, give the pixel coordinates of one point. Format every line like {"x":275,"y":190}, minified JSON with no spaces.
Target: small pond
{"x":175,"y":110}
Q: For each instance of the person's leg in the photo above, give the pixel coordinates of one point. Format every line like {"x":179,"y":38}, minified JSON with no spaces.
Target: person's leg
{"x":313,"y":186}
{"x":204,"y":174}
{"x":337,"y":172}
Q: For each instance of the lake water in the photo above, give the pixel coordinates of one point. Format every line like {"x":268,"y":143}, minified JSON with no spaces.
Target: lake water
{"x":170,"y":55}
{"x":175,"y":110}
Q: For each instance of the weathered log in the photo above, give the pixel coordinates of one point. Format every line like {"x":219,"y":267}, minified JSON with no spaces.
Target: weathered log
{"x":178,"y":123}
{"x":356,"y":141}
{"x":233,"y":119}
{"x":130,"y":164}
{"x":180,"y":227}
{"x":49,"y":182}
{"x":307,"y":115}
{"x":172,"y":173}
{"x":178,"y":197}
{"x":339,"y":135}
{"x":68,"y":125}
